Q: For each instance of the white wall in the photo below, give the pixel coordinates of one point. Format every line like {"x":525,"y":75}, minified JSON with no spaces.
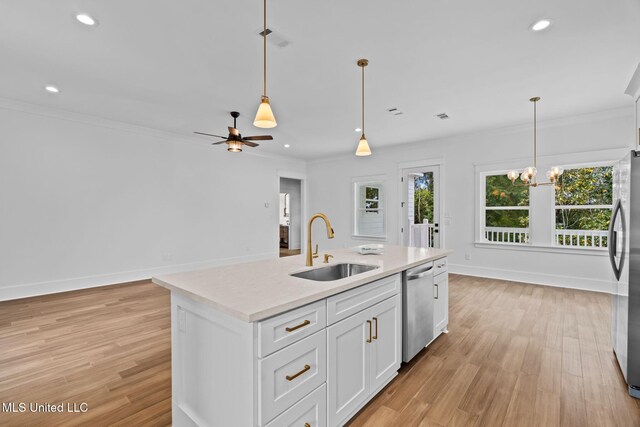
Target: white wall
{"x":85,"y":202}
{"x":330,"y":192}
{"x":294,"y":188}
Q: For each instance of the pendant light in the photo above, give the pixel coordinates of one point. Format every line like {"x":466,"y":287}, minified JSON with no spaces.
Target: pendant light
{"x":363,"y":146}
{"x":528,"y":176}
{"x":264,"y":116}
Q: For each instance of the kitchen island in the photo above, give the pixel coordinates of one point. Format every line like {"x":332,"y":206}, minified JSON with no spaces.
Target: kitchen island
{"x":254,"y":346}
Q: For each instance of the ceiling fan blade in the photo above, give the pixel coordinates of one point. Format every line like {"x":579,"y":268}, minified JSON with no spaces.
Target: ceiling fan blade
{"x":249,"y":143}
{"x":221,"y":142}
{"x":233,"y":131}
{"x":208,"y":134}
{"x":259,"y":138}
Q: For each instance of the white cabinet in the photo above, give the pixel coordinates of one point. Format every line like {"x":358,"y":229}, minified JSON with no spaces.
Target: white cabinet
{"x":386,"y":346}
{"x":440,"y":303}
{"x":364,"y":353}
{"x":348,"y":374}
{"x":288,"y":370}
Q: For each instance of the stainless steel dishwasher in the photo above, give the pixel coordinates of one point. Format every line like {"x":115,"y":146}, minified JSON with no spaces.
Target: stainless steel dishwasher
{"x":417,"y":310}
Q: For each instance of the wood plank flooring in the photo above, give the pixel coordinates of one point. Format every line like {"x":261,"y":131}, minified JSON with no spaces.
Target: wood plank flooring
{"x":516,"y":355}
{"x":109,"y":347}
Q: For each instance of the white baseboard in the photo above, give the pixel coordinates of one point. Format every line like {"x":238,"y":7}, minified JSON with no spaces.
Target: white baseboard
{"x":44,"y":288}
{"x":572,"y":282}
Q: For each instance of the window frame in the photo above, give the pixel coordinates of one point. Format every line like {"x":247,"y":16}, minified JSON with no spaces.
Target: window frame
{"x":483,"y":208}
{"x":555,"y":207}
{"x":379,"y":182}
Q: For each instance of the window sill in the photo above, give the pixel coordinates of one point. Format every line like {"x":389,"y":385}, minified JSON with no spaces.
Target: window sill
{"x":376,"y":238}
{"x":543,"y":248}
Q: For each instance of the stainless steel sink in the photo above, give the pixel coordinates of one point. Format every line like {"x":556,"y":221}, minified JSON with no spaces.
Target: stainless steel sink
{"x":334,"y":272}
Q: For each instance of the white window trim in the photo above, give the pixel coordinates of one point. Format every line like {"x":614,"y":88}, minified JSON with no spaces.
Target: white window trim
{"x":380,"y":180}
{"x":555,"y":244}
{"x":482,"y":209}
{"x":613,"y":155}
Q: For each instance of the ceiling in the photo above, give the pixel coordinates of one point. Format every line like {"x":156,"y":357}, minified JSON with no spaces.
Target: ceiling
{"x":181,"y":66}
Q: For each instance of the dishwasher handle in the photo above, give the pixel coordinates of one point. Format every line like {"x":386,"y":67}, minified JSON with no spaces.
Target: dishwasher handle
{"x":420,"y":273}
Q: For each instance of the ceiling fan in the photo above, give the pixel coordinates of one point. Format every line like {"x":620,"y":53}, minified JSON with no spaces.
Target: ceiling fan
{"x":235,"y":140}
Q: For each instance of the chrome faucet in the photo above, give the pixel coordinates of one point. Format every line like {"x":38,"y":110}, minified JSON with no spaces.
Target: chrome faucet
{"x":310,"y":254}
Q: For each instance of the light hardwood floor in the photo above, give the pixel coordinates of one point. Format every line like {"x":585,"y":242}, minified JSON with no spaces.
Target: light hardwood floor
{"x":516,"y":355}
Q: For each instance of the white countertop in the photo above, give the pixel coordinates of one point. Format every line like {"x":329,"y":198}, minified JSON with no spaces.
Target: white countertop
{"x":256,"y":290}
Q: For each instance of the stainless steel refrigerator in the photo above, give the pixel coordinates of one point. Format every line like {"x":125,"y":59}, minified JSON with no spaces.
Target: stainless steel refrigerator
{"x":624,"y":254}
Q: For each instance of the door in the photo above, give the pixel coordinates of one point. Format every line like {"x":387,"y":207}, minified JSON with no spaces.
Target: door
{"x":348,"y":377}
{"x":421,"y":207}
{"x":440,"y":303}
{"x":386,"y":341}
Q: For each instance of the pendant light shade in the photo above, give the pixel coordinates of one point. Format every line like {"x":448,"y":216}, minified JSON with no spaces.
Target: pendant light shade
{"x":264,"y":117}
{"x":363,"y":146}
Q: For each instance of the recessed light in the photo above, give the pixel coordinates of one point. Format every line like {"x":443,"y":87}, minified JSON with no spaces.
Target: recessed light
{"x":86,"y":19}
{"x":286,"y":146}
{"x":541,"y":25}
{"x":358,"y":129}
{"x":52,"y":89}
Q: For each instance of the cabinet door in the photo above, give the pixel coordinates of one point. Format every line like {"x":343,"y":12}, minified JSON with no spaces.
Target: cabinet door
{"x":440,"y":303}
{"x":386,"y":347}
{"x":348,"y":366}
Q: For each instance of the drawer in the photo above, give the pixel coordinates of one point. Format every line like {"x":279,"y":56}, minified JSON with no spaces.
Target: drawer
{"x":439,"y":266}
{"x":352,"y":301}
{"x":280,"y":331}
{"x":310,"y":411}
{"x":290,"y":374}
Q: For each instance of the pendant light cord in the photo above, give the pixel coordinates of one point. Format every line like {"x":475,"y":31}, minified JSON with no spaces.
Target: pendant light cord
{"x":535,"y":136}
{"x":264,"y":44}
{"x":362,"y":100}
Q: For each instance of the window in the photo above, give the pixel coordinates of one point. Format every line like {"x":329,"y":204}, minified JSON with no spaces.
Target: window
{"x":369,"y":218}
{"x":506,"y":210}
{"x":583,"y":202}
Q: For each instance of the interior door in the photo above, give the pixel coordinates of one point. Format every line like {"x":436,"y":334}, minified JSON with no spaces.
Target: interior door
{"x":386,"y":351}
{"x":421,"y":207}
{"x":348,"y":377}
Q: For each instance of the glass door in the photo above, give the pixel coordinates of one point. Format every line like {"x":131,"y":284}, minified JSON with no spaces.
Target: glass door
{"x":421,"y":207}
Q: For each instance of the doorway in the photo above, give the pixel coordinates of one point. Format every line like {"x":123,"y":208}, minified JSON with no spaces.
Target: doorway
{"x":421,"y":207}
{"x":290,"y":223}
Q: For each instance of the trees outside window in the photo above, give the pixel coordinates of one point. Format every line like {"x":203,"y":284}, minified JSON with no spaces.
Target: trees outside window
{"x":583,"y":201}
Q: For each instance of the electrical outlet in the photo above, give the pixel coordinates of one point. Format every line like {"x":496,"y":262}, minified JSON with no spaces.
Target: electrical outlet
{"x":266,"y":205}
{"x":467,"y":256}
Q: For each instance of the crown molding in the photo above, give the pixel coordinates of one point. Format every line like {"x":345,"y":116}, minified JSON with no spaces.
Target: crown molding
{"x":72,"y":116}
{"x":592,"y":117}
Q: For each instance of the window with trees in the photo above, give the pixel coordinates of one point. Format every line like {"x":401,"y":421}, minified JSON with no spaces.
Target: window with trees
{"x":506,"y":210}
{"x":583,"y":202}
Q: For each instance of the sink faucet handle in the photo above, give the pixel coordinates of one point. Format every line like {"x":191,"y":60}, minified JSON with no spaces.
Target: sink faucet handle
{"x":326,"y":258}
{"x":315,"y":254}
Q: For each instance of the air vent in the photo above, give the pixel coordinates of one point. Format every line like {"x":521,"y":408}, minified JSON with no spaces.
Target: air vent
{"x":442,"y":116}
{"x":274,"y":38}
{"x":391,"y":110}
{"x":395,"y":111}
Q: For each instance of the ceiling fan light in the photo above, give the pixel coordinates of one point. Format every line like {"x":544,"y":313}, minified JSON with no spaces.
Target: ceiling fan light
{"x":234,"y":146}
{"x":264,"y":117}
{"x":363,"y":147}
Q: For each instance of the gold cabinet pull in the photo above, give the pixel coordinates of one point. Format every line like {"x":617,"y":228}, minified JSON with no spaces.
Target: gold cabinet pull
{"x":307,"y":425}
{"x":301,"y":325}
{"x":375,"y":337}
{"x":294,"y":376}
{"x":369,"y":339}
